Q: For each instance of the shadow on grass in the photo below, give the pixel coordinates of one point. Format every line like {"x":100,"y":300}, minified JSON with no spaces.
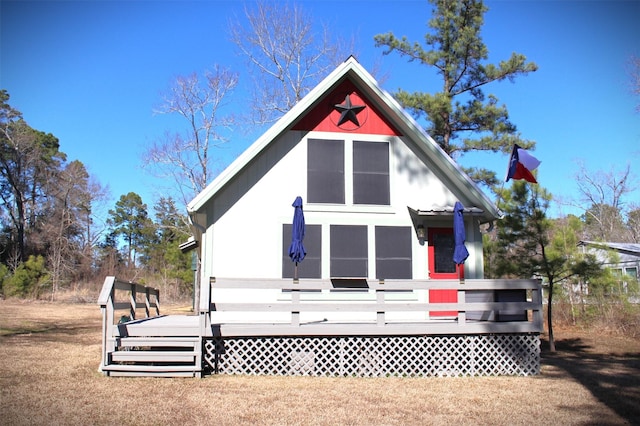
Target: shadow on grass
{"x":54,"y":333}
{"x":614,"y":379}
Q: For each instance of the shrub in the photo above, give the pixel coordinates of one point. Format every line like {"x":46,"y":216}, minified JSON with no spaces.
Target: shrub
{"x":4,"y":275}
{"x":29,"y":279}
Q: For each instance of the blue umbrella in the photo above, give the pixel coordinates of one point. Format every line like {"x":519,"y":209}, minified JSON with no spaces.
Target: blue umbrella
{"x":460,"y":252}
{"x":296,"y":249}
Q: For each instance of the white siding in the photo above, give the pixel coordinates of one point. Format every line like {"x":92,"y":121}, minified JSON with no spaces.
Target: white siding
{"x":244,"y":237}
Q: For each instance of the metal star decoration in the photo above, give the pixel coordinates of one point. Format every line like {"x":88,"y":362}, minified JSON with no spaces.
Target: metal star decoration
{"x":348,"y":112}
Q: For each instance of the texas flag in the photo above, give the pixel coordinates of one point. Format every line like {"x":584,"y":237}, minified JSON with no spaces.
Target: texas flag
{"x":521,"y":164}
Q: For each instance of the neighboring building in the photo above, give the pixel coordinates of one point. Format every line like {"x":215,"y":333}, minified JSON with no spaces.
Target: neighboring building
{"x":622,"y":258}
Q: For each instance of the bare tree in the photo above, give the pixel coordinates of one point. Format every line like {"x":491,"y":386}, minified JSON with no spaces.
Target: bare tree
{"x":92,"y":220}
{"x":633,"y":223}
{"x":286,"y":57}
{"x":185,"y":156}
{"x":602,"y":198}
{"x":68,"y":199}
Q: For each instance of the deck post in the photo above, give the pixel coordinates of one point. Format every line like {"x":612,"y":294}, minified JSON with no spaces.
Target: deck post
{"x":380,"y":315}
{"x":147,"y":303}
{"x":157,"y":292}
{"x":536,"y":297}
{"x":106,"y":301}
{"x":295,"y":302}
{"x":462,"y":315}
{"x":132,"y":298}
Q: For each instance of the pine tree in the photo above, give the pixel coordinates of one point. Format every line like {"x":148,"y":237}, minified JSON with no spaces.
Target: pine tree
{"x":130,"y":220}
{"x":461,"y":117}
{"x":526,"y":245}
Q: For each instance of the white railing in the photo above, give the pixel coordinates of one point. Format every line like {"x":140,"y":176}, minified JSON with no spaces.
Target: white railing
{"x":120,"y":297}
{"x":379,"y":299}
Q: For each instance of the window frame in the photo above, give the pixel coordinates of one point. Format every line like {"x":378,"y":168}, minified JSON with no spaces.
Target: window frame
{"x":332,"y":180}
{"x":348,"y":177}
{"x":344,"y":239}
{"x":383,"y":254}
{"x":361,"y":179}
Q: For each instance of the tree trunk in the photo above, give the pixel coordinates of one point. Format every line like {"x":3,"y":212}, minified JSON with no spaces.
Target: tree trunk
{"x":552,"y":344}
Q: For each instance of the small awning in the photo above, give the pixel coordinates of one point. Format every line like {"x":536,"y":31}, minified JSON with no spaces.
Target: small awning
{"x":419,"y":217}
{"x":443,"y":211}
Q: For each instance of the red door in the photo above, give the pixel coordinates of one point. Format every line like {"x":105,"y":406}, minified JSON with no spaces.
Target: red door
{"x":442,"y":267}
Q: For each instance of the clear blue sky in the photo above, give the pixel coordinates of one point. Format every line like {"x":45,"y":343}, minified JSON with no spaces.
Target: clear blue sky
{"x":91,"y":73}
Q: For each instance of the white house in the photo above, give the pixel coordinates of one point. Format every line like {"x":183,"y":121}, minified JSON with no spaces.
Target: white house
{"x":378,"y":194}
{"x":378,"y":292}
{"x":622,"y":258}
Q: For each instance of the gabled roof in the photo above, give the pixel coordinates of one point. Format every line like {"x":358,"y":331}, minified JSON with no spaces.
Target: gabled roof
{"x":352,"y":70}
{"x":627,"y":248}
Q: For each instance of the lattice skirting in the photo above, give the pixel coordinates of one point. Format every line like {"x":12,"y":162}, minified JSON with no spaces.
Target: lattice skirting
{"x":360,"y":356}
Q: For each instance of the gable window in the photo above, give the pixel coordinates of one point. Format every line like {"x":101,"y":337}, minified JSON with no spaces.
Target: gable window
{"x":393,"y":252}
{"x":349,"y":251}
{"x":370,"y":173}
{"x":325,"y":171}
{"x":348,"y":172}
{"x":310,"y":267}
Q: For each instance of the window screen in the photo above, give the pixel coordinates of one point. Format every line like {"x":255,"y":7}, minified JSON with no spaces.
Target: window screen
{"x":371,"y":173}
{"x":393,"y":252}
{"x":443,"y":246}
{"x":325,"y":171}
{"x":310,"y":267}
{"x":349,"y":251}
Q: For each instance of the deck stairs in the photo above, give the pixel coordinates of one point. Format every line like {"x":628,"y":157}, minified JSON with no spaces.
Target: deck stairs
{"x":155,"y":356}
{"x":161,"y":346}
{"x":138,"y":341}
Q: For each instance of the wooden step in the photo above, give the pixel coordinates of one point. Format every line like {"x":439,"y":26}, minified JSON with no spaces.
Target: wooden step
{"x":137,"y":370}
{"x":180,"y":356}
{"x":153,"y":356}
{"x":149,"y":368}
{"x":152,"y":374}
{"x":158,"y":341}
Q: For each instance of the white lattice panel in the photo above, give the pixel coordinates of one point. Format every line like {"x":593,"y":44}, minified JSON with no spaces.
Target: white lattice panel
{"x":478,"y":355}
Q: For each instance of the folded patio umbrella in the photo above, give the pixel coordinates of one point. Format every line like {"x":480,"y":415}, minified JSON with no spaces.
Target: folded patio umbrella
{"x":296,"y":249}
{"x":460,"y":252}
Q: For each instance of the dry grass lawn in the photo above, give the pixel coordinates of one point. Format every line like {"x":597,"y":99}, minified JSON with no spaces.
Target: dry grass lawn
{"x":49,"y":354}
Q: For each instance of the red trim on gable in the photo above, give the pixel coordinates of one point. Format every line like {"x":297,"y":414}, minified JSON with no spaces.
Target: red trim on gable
{"x":324,"y":117}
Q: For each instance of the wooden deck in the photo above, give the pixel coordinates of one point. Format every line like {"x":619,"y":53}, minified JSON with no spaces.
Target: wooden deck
{"x":144,"y":342}
{"x":163,"y":325}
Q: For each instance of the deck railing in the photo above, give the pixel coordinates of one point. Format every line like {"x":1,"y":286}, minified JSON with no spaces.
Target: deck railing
{"x":376,"y":299}
{"x":130,"y":300}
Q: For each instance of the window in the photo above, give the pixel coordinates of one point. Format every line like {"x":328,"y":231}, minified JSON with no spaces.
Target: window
{"x":443,"y":244}
{"x":349,"y":251}
{"x":632,"y":272}
{"x":310,"y":267}
{"x":325,"y":171}
{"x":365,"y":180}
{"x":370,"y":173}
{"x":393,"y":252}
